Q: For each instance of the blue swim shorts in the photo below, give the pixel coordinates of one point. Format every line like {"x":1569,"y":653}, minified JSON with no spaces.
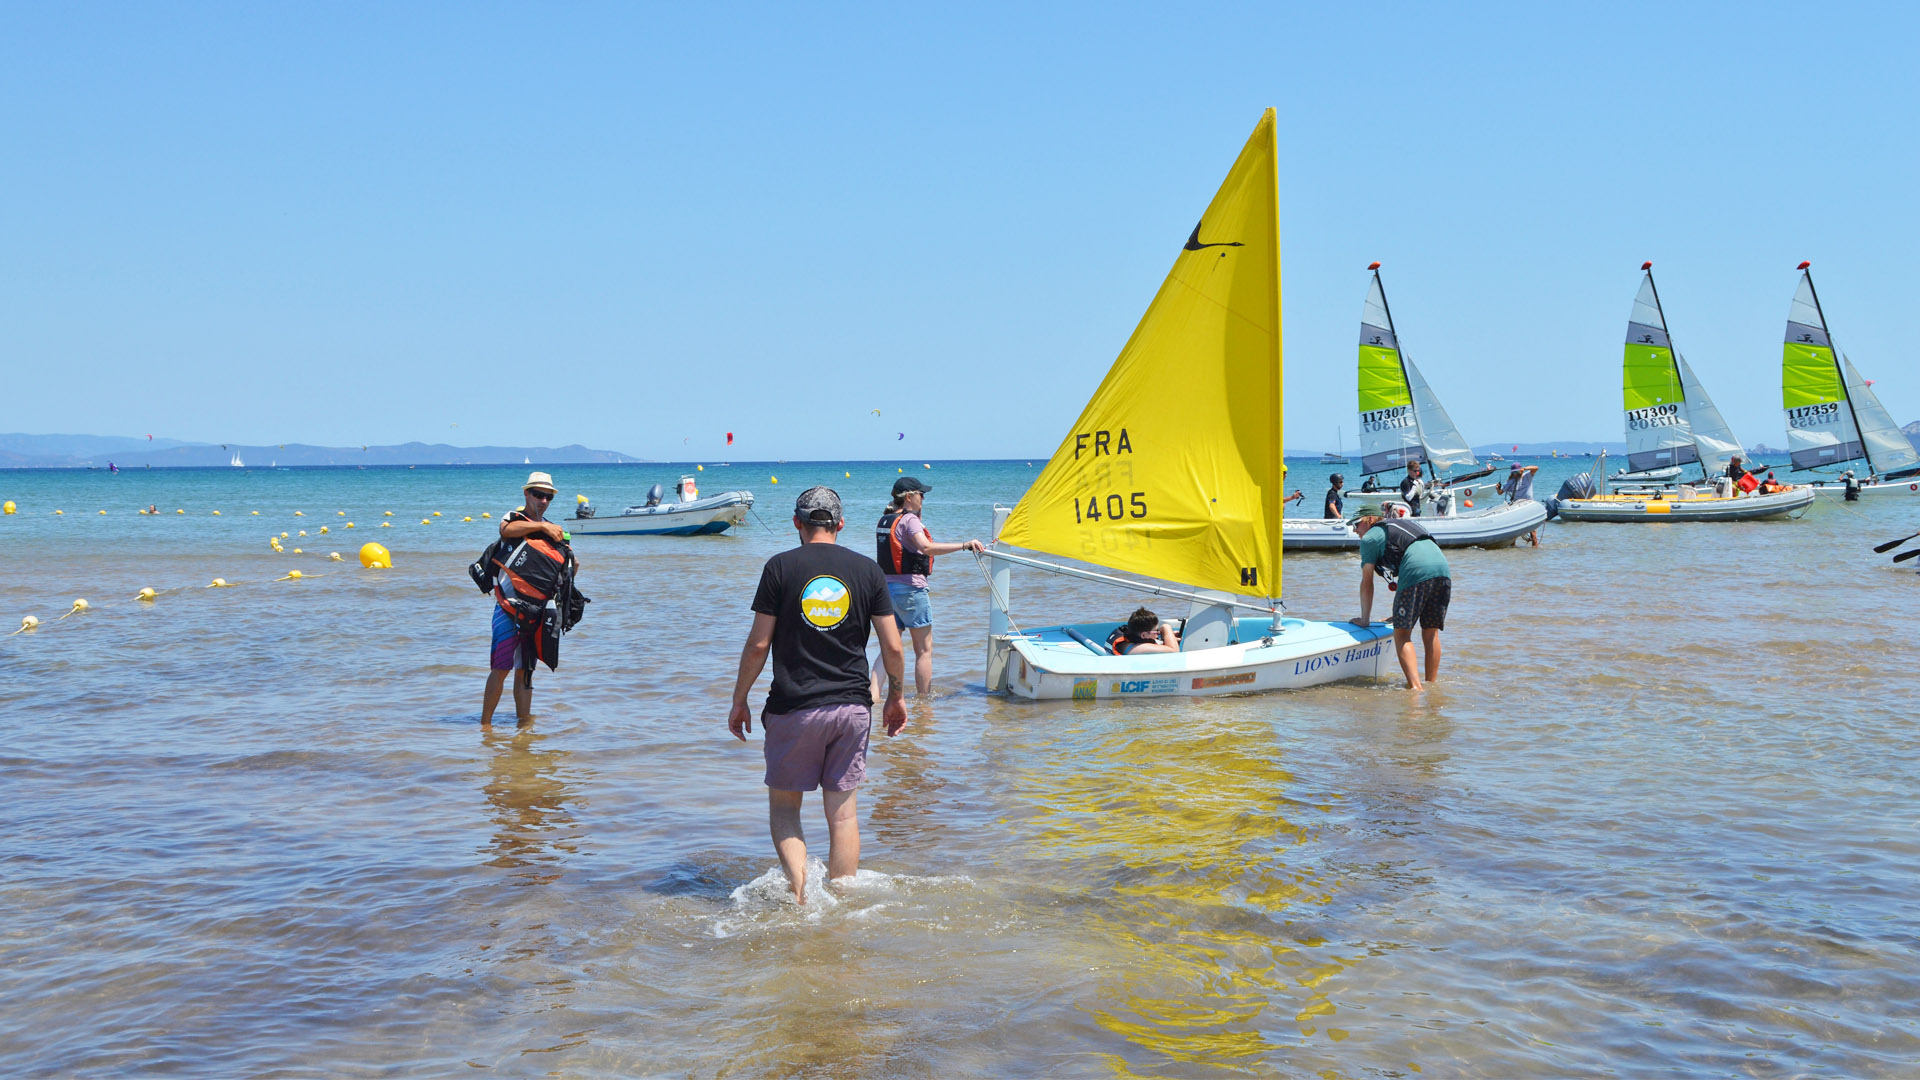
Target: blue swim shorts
{"x":510,"y":646}
{"x":910,"y":605}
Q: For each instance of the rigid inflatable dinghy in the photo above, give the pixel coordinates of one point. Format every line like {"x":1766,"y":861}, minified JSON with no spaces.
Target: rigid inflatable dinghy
{"x":690,"y":516}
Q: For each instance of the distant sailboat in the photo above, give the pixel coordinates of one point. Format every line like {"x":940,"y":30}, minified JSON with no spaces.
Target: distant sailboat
{"x":237,"y":463}
{"x":1338,"y":455}
{"x":1833,"y":417}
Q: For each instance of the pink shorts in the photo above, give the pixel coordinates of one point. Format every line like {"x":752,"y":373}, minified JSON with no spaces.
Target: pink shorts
{"x":821,"y":747}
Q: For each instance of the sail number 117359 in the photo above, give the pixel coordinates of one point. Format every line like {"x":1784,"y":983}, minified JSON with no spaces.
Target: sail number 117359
{"x":1110,"y":507}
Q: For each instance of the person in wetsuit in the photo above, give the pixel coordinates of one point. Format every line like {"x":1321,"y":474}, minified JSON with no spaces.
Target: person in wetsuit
{"x":1335,"y":506}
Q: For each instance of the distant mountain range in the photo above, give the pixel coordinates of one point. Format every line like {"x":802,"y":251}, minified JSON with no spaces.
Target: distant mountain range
{"x":96,"y":451}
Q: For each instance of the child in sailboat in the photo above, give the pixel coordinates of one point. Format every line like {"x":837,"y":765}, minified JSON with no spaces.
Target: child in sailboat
{"x":1143,"y":632}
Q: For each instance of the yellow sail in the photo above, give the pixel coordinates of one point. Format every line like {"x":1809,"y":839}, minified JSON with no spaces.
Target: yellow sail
{"x":1173,"y":469}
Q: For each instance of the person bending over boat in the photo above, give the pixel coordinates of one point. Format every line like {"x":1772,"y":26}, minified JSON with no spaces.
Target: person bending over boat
{"x":905,"y":551}
{"x":1335,"y":506}
{"x":812,"y":611}
{"x":513,"y":649}
{"x":1143,"y":632}
{"x":1518,"y":487}
{"x":1405,"y":554}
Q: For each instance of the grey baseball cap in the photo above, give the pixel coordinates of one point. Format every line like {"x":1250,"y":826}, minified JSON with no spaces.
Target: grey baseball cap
{"x":818,"y":506}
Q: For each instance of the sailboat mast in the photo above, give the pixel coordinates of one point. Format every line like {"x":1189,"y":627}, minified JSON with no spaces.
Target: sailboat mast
{"x":1839,"y":372}
{"x":1276,"y":467}
{"x":1673,"y":365}
{"x":1400,"y":357}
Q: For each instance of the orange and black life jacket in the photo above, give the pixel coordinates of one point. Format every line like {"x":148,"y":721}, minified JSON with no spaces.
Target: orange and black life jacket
{"x":893,"y":556}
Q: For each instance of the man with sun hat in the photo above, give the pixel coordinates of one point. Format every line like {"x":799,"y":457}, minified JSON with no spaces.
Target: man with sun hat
{"x":513,"y":647}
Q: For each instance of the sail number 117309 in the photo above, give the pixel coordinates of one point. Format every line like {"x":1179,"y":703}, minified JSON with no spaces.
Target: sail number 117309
{"x":1110,"y":508}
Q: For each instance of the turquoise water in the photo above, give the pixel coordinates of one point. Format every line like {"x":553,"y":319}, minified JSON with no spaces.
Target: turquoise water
{"x":1655,"y":818}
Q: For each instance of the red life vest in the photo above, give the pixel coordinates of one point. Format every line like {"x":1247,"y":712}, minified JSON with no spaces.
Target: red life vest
{"x":893,"y":556}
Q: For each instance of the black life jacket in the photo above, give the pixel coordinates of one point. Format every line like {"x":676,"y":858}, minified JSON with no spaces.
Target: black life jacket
{"x":893,"y":556}
{"x":1401,"y":534}
{"x":545,"y":602}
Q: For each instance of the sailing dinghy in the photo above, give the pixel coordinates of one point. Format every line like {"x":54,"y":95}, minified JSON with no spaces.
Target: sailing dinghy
{"x":1672,"y":423}
{"x":1402,"y":420}
{"x":1173,"y":471}
{"x":1833,"y":417}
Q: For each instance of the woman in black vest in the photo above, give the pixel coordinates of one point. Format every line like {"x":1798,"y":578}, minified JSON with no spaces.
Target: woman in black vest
{"x":905,"y":551}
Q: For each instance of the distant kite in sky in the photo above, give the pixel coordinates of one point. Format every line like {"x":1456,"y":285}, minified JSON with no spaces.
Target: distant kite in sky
{"x":876,"y":412}
{"x":729,"y":438}
{"x":900,"y":435}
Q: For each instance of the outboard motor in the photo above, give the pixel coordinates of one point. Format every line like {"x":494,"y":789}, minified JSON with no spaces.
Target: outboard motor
{"x":655,"y":494}
{"x":1574,"y":487}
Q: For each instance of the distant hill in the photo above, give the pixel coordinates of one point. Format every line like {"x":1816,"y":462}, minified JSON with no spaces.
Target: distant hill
{"x":1912,"y":432}
{"x":96,"y":451}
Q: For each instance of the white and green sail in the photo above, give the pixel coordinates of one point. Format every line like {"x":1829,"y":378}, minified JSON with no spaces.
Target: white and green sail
{"x":1670,"y":418}
{"x":1655,"y":402}
{"x":1833,"y":417}
{"x":1401,"y":419}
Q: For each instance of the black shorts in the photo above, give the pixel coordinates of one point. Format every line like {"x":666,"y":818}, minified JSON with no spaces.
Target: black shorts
{"x":1425,"y":603}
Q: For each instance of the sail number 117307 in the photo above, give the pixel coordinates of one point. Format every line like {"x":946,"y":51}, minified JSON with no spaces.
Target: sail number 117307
{"x":1110,"y":508}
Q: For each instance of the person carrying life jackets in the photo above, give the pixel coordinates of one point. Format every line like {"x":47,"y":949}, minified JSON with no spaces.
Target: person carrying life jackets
{"x":905,"y":550}
{"x":529,"y":571}
{"x":1143,"y":632}
{"x":1404,"y":552}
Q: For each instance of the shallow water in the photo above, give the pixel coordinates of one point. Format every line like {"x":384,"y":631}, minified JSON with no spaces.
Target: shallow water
{"x":1655,"y":818}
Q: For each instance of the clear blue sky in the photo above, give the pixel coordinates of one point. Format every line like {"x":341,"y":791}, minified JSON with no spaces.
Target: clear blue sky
{"x":628,"y":225}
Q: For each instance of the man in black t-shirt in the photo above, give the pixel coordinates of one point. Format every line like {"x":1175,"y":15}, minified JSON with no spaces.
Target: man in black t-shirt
{"x":813,"y":610}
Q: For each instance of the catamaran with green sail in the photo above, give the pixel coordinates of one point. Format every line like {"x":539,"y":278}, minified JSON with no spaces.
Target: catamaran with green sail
{"x":1672,"y":423}
{"x":1402,"y":420}
{"x":1834,"y":419}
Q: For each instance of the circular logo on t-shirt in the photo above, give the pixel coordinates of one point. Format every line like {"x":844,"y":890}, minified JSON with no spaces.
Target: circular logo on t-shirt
{"x":824,"y":602}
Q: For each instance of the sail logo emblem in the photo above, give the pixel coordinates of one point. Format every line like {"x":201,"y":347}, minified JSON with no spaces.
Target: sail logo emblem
{"x":1193,"y":242}
{"x":1376,"y":340}
{"x":1808,"y":338}
{"x":1646,"y":339}
{"x":824,"y":602}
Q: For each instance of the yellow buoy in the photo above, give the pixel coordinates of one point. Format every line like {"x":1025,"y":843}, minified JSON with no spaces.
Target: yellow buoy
{"x":334,"y":556}
{"x":27,"y":622}
{"x":386,"y":524}
{"x":256,"y":513}
{"x":776,"y":480}
{"x":147,"y":594}
{"x":79,"y":607}
{"x":424,"y":521}
{"x":699,"y":468}
{"x":303,"y":532}
{"x":218,"y":583}
{"x":179,"y":511}
{"x":469,"y":517}
{"x":103,"y":513}
{"x":485,"y":514}
{"x":8,"y":507}
{"x":297,"y":551}
{"x":298,"y":513}
{"x":292,"y":575}
{"x":323,"y":530}
{"x":339,"y":513}
{"x":389,"y":513}
{"x":349,"y":524}
{"x":436,"y":513}
{"x":283,"y":536}
{"x":61,"y":513}
{"x":373,"y":556}
{"x":849,"y":476}
{"x":216,"y":513}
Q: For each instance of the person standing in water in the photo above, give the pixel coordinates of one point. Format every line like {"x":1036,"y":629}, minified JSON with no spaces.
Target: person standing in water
{"x":905,"y":551}
{"x":1403,"y":552}
{"x":1335,"y":506}
{"x":512,"y":646}
{"x":1518,"y":487}
{"x":812,"y":612}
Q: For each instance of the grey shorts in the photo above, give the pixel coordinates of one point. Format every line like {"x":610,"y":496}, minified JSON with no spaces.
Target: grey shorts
{"x":1425,"y":603}
{"x":822,"y":747}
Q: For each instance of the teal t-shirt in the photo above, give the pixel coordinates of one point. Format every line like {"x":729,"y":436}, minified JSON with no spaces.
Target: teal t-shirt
{"x":1422,"y":562}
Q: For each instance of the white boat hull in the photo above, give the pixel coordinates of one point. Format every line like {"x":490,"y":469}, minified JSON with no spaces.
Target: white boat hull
{"x":1047,"y":664}
{"x":701,"y":517}
{"x":1493,"y":528}
{"x":1837,"y":489}
{"x":1642,"y":507}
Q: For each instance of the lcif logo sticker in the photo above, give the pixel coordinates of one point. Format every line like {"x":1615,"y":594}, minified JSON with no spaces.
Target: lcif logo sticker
{"x":824,"y":603}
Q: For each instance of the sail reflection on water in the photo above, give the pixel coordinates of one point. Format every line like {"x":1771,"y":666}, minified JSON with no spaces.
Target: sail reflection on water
{"x":1180,"y":822}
